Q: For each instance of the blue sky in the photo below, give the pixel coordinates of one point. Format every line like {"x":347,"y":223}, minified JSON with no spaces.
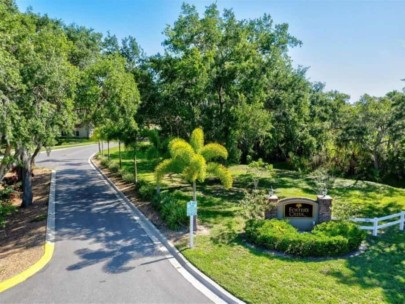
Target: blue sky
{"x":354,"y":46}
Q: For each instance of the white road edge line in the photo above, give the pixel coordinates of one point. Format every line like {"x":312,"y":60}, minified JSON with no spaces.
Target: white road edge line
{"x":188,"y":271}
{"x":50,"y":224}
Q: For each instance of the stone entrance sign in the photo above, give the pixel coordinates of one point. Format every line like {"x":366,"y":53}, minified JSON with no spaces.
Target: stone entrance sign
{"x":298,"y":210}
{"x":302,"y":213}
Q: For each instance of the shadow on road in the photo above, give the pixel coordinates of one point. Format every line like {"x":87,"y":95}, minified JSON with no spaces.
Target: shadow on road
{"x":88,"y":210}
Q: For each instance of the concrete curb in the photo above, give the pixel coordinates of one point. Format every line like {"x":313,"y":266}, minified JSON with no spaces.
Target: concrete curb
{"x":203,"y":283}
{"x":49,"y":243}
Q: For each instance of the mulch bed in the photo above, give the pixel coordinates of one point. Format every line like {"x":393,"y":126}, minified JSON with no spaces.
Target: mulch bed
{"x":23,"y":238}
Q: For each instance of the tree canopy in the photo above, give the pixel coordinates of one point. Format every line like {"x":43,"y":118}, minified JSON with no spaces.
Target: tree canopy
{"x":233,"y":78}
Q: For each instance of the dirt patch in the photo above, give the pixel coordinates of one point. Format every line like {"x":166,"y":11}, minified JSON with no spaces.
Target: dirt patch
{"x":23,"y":238}
{"x":129,"y":190}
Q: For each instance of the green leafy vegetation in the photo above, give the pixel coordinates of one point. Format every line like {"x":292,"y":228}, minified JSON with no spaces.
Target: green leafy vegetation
{"x":348,"y":230}
{"x":374,"y":276}
{"x":53,"y":78}
{"x":5,"y":204}
{"x":173,"y":209}
{"x":68,"y":141}
{"x":327,"y":239}
{"x":234,"y":79}
{"x":254,"y":204}
{"x":194,"y":161}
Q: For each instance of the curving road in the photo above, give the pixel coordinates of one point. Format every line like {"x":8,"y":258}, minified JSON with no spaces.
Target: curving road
{"x":102,"y":254}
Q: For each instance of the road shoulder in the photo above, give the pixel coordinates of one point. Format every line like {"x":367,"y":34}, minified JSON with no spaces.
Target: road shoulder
{"x":28,"y":243}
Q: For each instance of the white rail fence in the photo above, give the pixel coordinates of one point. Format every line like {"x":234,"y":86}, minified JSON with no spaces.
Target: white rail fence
{"x":376,"y":220}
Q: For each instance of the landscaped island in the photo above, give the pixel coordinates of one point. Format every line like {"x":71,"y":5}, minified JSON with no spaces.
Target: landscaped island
{"x":256,"y":275}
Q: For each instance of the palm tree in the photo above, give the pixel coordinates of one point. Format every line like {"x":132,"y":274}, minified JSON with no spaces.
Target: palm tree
{"x":194,"y":160}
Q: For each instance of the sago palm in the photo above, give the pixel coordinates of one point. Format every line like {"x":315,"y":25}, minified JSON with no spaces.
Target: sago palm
{"x":194,"y":161}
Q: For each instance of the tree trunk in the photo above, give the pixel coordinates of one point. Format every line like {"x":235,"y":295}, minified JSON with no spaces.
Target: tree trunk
{"x":4,"y":164}
{"x":108,"y":149}
{"x":375,"y":158}
{"x":195,"y":199}
{"x":37,"y":149}
{"x":135,"y":167}
{"x":119,"y":153}
{"x":99,"y":147}
{"x":26,"y":178}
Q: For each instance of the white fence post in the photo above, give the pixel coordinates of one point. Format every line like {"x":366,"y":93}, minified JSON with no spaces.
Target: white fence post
{"x":376,"y":220}
{"x":375,"y":226}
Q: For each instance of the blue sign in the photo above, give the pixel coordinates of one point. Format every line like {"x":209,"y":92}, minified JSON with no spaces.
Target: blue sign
{"x":191,"y":208}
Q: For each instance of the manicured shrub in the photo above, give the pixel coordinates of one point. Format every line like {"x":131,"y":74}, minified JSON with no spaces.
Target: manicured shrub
{"x":146,"y":191}
{"x":127,"y":177}
{"x":173,"y":211}
{"x":327,"y":239}
{"x":105,"y":162}
{"x":114,"y":167}
{"x":347,"y":229}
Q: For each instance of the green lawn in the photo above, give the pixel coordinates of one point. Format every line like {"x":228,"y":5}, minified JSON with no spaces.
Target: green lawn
{"x":70,"y":144}
{"x":73,"y":143}
{"x":376,"y":276}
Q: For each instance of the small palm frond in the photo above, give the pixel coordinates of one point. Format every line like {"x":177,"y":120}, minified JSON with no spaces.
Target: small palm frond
{"x":213,"y":150}
{"x":197,"y":140}
{"x":222,"y":173}
{"x":197,"y":169}
{"x":181,"y":150}
{"x":193,"y":160}
{"x":165,"y":167}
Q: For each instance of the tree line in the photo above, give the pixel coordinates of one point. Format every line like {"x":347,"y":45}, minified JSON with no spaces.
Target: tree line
{"x":236,"y":80}
{"x":232,"y":78}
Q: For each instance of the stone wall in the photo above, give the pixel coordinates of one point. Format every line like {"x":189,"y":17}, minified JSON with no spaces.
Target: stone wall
{"x":325,"y":204}
{"x":271,"y":212}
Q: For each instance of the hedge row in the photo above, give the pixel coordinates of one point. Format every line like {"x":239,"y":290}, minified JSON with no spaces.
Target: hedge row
{"x":171,"y":205}
{"x":327,"y":239}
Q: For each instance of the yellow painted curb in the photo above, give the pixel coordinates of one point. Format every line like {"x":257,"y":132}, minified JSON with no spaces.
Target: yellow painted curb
{"x":21,"y":277}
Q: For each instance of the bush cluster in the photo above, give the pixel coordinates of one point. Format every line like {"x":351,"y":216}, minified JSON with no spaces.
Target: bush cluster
{"x":146,"y":191}
{"x":171,"y":205}
{"x":105,"y":162}
{"x":349,"y":230}
{"x":173,"y":210}
{"x":127,"y":177}
{"x":327,"y":239}
{"x":114,"y":167}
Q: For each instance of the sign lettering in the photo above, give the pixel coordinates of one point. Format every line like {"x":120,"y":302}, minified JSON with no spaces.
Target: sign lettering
{"x":298,"y":210}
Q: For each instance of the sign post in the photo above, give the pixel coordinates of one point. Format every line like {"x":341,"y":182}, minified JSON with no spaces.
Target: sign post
{"x":191,"y":212}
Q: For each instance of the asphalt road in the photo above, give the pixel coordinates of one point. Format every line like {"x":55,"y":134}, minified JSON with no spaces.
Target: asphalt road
{"x":102,"y":255}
